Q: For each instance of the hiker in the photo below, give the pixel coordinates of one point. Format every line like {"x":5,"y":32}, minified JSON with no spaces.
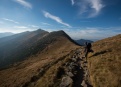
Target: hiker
{"x":87,"y":49}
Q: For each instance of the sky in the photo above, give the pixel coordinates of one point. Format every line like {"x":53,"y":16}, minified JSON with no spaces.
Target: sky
{"x":80,"y":19}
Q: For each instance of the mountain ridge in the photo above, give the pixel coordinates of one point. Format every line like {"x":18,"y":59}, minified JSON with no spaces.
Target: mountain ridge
{"x":82,"y":41}
{"x":56,"y":47}
{"x":25,"y":44}
{"x":56,"y":59}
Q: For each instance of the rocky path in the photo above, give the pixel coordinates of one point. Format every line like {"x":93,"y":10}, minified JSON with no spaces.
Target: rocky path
{"x":77,"y":74}
{"x":74,"y":71}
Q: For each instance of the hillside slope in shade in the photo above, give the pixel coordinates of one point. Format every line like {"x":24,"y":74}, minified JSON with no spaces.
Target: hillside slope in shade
{"x":17,"y":47}
{"x":21,"y":74}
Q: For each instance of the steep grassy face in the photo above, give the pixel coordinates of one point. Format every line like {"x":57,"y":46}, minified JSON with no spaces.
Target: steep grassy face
{"x":19,"y":46}
{"x":44,"y":62}
{"x":105,"y":63}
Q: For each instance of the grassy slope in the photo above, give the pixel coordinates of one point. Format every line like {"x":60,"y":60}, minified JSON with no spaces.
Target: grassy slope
{"x":23,"y":72}
{"x":19,"y":46}
{"x":54,"y":74}
{"x":105,"y":64}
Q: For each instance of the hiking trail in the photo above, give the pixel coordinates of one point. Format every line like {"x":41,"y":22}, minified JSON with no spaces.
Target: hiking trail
{"x":77,"y":71}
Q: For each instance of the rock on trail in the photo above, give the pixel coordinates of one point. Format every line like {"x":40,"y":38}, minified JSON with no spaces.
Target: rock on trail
{"x":77,"y":74}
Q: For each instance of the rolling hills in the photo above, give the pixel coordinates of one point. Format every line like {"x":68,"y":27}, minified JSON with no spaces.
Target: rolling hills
{"x":31,"y":53}
{"x":19,"y":46}
{"x":52,"y":59}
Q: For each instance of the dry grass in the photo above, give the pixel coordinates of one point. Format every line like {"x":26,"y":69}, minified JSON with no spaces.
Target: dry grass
{"x":22,"y":72}
{"x":104,"y":64}
{"x":54,"y":74}
{"x":51,"y":78}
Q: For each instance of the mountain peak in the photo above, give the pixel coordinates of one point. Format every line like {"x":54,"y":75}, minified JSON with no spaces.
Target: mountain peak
{"x":25,"y":44}
{"x":40,"y":31}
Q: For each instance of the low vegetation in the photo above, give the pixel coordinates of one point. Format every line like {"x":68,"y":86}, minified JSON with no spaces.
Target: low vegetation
{"x":26,"y":73}
{"x":104,"y":64}
{"x":44,"y":60}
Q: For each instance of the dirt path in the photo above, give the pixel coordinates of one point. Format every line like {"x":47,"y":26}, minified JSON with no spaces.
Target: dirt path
{"x":82,"y":78}
{"x":77,"y":74}
{"x":75,"y":71}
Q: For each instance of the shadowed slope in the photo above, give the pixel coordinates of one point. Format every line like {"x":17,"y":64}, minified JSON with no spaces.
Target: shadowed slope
{"x":55,"y":46}
{"x":17,"y":47}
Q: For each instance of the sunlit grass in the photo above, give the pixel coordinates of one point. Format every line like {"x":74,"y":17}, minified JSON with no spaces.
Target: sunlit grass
{"x":104,"y":64}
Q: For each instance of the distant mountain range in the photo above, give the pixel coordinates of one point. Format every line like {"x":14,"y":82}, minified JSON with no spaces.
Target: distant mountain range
{"x":82,"y":41}
{"x":52,"y":59}
{"x":24,"y":55}
{"x":5,"y":34}
{"x":17,"y":47}
{"x":20,"y":46}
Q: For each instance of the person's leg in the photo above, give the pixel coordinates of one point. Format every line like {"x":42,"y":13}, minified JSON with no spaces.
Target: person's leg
{"x":86,"y":56}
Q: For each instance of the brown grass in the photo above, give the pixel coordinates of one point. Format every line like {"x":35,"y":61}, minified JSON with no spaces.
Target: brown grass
{"x":53,"y":76}
{"x":104,"y":64}
{"x":22,"y":72}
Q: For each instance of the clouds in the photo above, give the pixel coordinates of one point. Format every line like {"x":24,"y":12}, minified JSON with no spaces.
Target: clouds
{"x":10,"y":20}
{"x":27,"y":27}
{"x":1,"y":22}
{"x":97,"y":6}
{"x":24,"y":3}
{"x":33,"y":26}
{"x":72,"y":2}
{"x":89,"y":8}
{"x":21,"y":27}
{"x":15,"y":29}
{"x":94,"y":33}
{"x":55,"y":18}
{"x":44,"y":23}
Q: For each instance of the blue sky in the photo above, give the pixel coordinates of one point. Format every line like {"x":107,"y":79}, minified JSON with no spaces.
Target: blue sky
{"x":87,"y":19}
